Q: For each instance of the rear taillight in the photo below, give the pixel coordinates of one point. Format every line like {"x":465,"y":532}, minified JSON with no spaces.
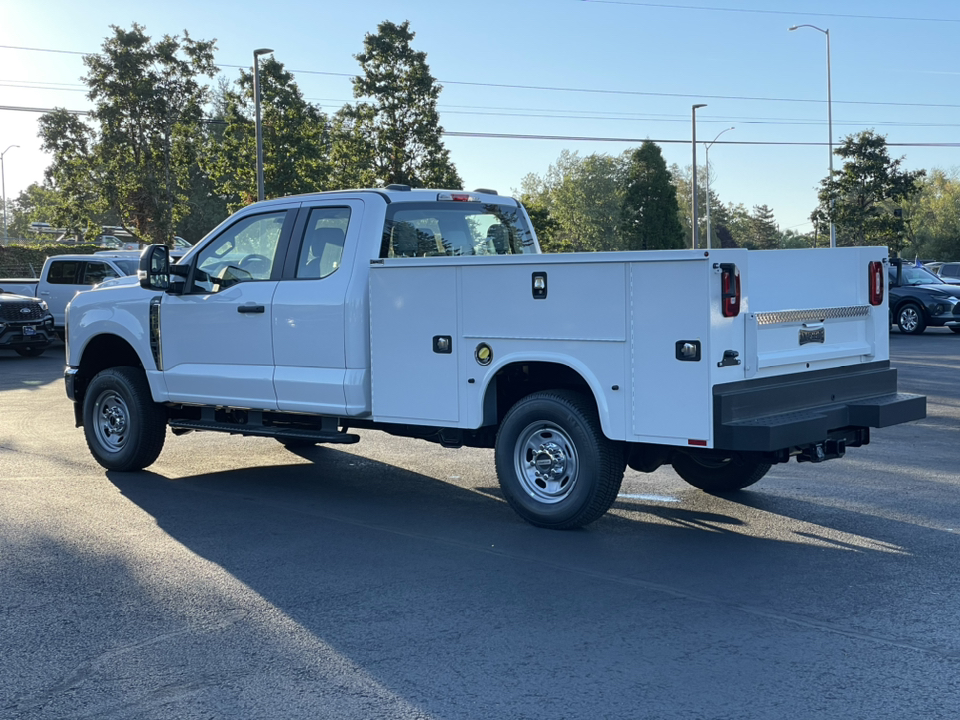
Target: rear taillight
{"x":875,"y":274}
{"x":729,"y":289}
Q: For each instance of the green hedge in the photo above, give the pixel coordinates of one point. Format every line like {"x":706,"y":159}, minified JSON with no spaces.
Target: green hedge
{"x":19,"y":260}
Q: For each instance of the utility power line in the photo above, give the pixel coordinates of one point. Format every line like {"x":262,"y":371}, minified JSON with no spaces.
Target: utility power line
{"x":596,"y":91}
{"x":806,"y":13}
{"x":569,"y":138}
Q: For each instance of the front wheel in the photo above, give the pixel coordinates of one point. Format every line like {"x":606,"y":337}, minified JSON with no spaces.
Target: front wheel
{"x":556,"y":468}
{"x":955,"y":329}
{"x":124,"y":427}
{"x":719,"y":474}
{"x":910,"y":319}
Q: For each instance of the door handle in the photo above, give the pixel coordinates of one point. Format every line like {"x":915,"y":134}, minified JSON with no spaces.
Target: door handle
{"x":250,"y":309}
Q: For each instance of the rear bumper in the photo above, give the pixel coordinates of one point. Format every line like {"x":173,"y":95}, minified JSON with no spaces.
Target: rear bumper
{"x":795,"y":411}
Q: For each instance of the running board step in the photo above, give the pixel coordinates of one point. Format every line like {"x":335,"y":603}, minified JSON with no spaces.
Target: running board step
{"x":320,"y":436}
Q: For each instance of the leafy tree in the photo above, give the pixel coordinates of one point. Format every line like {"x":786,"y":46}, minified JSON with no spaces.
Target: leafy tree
{"x":682,"y":179}
{"x":583,"y":197}
{"x":74,"y":175}
{"x":725,"y":237}
{"x":352,"y":150}
{"x":38,"y":203}
{"x":649,"y":214}
{"x":861,"y":197}
{"x":544,"y":225}
{"x":766,"y":235}
{"x":793,"y":239}
{"x":400,"y":118}
{"x":296,"y":140}
{"x":932,"y":217}
{"x":149,"y":104}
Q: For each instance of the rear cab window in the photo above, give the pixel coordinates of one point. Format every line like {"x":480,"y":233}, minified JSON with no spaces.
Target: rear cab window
{"x":446,"y":228}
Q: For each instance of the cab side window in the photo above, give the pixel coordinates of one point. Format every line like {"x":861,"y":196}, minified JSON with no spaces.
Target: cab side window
{"x":244,"y":252}
{"x":322,"y":248}
{"x":63,"y":272}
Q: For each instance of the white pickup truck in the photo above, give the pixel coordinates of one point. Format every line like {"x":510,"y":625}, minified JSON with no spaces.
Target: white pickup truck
{"x":433,"y":314}
{"x":63,"y":276}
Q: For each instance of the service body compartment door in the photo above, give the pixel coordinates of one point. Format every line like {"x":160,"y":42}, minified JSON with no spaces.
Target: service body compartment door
{"x":415,"y":376}
{"x":670,"y":304}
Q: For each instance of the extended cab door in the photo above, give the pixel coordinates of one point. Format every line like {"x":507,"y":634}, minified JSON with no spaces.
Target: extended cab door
{"x":216,"y":339}
{"x":310,"y":309}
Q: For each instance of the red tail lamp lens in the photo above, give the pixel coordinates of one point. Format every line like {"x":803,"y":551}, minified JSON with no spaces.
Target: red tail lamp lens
{"x":729,"y":289}
{"x":875,"y":274}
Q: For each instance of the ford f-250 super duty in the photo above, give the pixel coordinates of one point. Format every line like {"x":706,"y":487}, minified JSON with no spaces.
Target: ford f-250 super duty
{"x":433,"y":314}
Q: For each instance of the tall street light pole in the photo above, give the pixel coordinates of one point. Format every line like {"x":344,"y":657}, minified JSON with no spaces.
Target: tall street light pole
{"x":706,"y":161}
{"x":3,"y":183}
{"x":696,"y":232}
{"x":256,"y":102}
{"x":833,"y":229}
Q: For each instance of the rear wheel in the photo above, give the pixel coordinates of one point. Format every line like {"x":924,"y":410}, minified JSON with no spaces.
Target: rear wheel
{"x":910,"y":319}
{"x":955,"y":329}
{"x":556,"y":468}
{"x":124,"y":428}
{"x":30,"y":350}
{"x":716,"y":474}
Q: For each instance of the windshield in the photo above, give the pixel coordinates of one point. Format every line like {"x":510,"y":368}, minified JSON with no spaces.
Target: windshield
{"x":437,"y":229}
{"x":913,"y":275}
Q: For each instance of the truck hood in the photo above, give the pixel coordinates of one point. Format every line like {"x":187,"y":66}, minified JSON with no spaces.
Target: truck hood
{"x":10,"y":297}
{"x":953,"y":290}
{"x":114,"y":282}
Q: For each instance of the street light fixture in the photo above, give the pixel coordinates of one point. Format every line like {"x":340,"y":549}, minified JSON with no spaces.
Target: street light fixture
{"x":706,"y":160}
{"x":696,"y":233}
{"x":3,"y":183}
{"x":833,"y":230}
{"x":256,"y":102}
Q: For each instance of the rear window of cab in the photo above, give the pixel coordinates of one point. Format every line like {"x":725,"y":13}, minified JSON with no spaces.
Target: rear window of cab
{"x":452,"y":228}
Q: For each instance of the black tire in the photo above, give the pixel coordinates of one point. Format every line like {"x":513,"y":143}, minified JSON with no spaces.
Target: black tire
{"x":556,"y":468}
{"x":910,"y":319}
{"x":955,"y":329}
{"x":124,"y":427}
{"x":718,"y":475}
{"x":30,"y":350}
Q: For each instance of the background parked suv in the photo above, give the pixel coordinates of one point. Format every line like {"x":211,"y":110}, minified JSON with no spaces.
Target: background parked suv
{"x":919,"y":299}
{"x":26,"y":324}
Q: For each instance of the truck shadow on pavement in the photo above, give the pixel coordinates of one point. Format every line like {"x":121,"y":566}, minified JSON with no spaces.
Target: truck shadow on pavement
{"x":437,"y":592}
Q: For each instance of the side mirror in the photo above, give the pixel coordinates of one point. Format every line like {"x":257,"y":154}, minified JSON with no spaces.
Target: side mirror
{"x":154,"y":272}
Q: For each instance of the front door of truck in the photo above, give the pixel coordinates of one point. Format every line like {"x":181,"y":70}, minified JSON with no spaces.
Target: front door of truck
{"x":311,"y":310}
{"x":216,"y":336}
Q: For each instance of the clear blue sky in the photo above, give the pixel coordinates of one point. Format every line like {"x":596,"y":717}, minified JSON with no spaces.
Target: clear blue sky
{"x":893,"y":64}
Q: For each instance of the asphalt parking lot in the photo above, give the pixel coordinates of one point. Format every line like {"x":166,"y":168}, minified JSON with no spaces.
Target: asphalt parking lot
{"x":236,"y":579}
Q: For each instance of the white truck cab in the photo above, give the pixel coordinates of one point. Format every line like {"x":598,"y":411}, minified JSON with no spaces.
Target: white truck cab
{"x":433,"y":314}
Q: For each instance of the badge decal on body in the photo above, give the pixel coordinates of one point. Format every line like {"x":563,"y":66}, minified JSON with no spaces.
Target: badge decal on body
{"x":812,"y":334}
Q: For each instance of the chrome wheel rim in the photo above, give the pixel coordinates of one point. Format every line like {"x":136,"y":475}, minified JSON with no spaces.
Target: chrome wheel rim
{"x":111,"y":421}
{"x":546,"y":462}
{"x":909,"y":319}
